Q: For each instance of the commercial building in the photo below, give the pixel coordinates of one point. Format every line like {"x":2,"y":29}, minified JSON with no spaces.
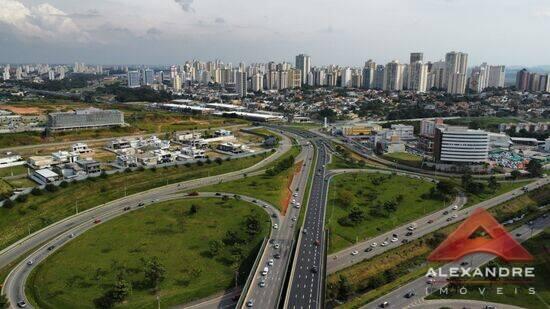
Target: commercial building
{"x":303,"y":63}
{"x":241,"y":84}
{"x":405,"y":132}
{"x":85,"y":119}
{"x":393,"y":76}
{"x":460,"y":145}
{"x":456,"y":65}
{"x":44,"y":176}
{"x":418,"y":77}
{"x":133,"y":79}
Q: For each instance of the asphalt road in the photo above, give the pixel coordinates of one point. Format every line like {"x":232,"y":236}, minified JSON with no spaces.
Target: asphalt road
{"x":268,"y":296}
{"x":422,"y":288}
{"x":307,"y":277}
{"x":345,"y":258}
{"x":14,"y":286}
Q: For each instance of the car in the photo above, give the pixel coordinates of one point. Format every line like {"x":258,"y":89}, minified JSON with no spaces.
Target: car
{"x":273,"y":215}
{"x":354,"y":252}
{"x":430,"y":281}
{"x":449,"y":219}
{"x":277,"y":256}
{"x":373,"y":244}
{"x":293,"y":219}
{"x":262,"y":284}
{"x":141,"y":204}
{"x":369,"y":249}
{"x":394,"y":239}
{"x":71,"y":235}
{"x":314,"y":269}
{"x":454,"y":216}
{"x":50,"y":248}
{"x":464,"y":263}
{"x":545,"y":215}
{"x":518,"y":234}
{"x":126,"y":208}
{"x":265,"y":271}
{"x":270,"y":262}
{"x":384,"y":304}
{"x":317,"y":242}
{"x":194,"y":193}
{"x":304,"y":231}
{"x":30,"y":262}
{"x":404,"y":241}
{"x":217,"y":194}
{"x":96,"y":221}
{"x":293,"y":201}
{"x":276,"y":246}
{"x":21,"y":304}
{"x":409,"y":233}
{"x":430,"y":221}
{"x":530,"y":222}
{"x":295,"y":194}
{"x":385,"y":243}
{"x":455,"y":207}
{"x":409,"y":294}
{"x":297,"y":205}
{"x":264,"y":206}
{"x":250,"y":303}
{"x":254,"y":201}
{"x":445,"y":212}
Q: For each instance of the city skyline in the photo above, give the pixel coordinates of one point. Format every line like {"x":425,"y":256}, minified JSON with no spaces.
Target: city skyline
{"x":120,"y":32}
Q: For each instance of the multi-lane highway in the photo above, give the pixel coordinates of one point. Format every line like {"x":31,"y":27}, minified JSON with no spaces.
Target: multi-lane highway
{"x":425,"y":225}
{"x":424,"y":286}
{"x":307,"y":275}
{"x":14,"y":286}
{"x":265,"y":290}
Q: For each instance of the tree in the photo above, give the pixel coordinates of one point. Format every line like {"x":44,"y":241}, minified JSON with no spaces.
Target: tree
{"x":214,"y":247}
{"x":4,"y":302}
{"x":51,"y":187}
{"x":515,"y":174}
{"x":492,"y":183}
{"x":446,"y":187}
{"x":466,"y":179}
{"x":121,"y":290}
{"x":534,"y":167}
{"x":154,"y":272}
{"x":346,"y":198}
{"x":8,"y":203}
{"x":36,"y":191}
{"x":253,"y":225}
{"x":344,"y":288}
{"x":193,"y":210}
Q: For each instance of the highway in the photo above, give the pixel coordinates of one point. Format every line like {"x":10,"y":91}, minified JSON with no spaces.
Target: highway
{"x":14,"y":285}
{"x":422,"y":288}
{"x":344,"y":258}
{"x":267,"y":296}
{"x":307,"y":276}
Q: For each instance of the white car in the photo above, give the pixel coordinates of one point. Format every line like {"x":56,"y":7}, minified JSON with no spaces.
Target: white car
{"x":275,"y":226}
{"x":385,"y":243}
{"x":276,"y":246}
{"x":293,"y":201}
{"x":297,"y":205}
{"x":394,"y":239}
{"x":30,"y":262}
{"x":354,"y":252}
{"x":293,"y":219}
{"x":295,"y":194}
{"x":455,"y":207}
{"x":373,"y":244}
{"x":270,"y":262}
{"x":455,"y":215}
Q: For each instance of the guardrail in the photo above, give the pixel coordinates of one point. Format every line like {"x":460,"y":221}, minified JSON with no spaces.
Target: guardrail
{"x":289,"y":285}
{"x":285,"y":272}
{"x":252,"y":273}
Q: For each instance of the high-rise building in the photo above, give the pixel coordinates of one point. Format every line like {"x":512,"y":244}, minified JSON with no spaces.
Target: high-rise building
{"x":368,"y":74}
{"x":148,"y":77}
{"x":416,"y":57}
{"x":176,"y":83}
{"x":319,"y":77}
{"x":241,"y":84}
{"x":51,"y":75}
{"x":479,"y":79}
{"x":345,"y":76}
{"x":418,"y":76}
{"x":379,"y":77}
{"x":257,"y":82}
{"x":393,"y":76}
{"x":496,"y":76}
{"x":455,"y":72}
{"x":283,"y":80}
{"x":436,"y":75}
{"x":133,"y":79}
{"x":295,"y":78}
{"x":303,"y":63}
{"x":522,"y":80}
{"x":19,"y":73}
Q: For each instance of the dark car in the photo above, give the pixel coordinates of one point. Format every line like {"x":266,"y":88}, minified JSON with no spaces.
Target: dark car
{"x":126,"y":208}
{"x":430,"y":221}
{"x":314,"y":269}
{"x":277,"y":256}
{"x":409,"y":233}
{"x":21,"y":304}
{"x":368,"y":249}
{"x":464,"y":263}
{"x":96,"y":221}
{"x":141,"y":204}
{"x":405,"y":241}
{"x":445,"y":212}
{"x":50,"y":248}
{"x":317,"y":243}
{"x":409,"y":294}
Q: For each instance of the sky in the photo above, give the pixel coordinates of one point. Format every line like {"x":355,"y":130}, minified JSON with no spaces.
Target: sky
{"x":343,"y":32}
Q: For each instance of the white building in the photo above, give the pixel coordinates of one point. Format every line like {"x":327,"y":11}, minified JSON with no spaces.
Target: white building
{"x":456,"y":65}
{"x":303,"y":63}
{"x":405,"y":132}
{"x":418,"y":77}
{"x":461,"y":145}
{"x":393,"y":76}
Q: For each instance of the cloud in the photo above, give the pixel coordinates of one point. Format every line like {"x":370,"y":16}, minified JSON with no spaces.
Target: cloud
{"x":43,"y":21}
{"x":153,"y":32}
{"x":219,"y":20}
{"x":542,"y":13}
{"x":186,"y":5}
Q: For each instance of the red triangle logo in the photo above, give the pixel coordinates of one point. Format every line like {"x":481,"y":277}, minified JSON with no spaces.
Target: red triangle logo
{"x":461,"y":242}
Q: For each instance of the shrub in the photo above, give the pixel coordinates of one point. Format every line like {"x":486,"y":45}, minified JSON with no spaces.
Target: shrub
{"x":22,"y":198}
{"x":8,"y":204}
{"x":64,"y":184}
{"x":51,"y":187}
{"x":36,"y":191}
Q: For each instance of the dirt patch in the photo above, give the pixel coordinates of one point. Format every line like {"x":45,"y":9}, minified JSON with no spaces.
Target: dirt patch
{"x":23,"y":110}
{"x":287,"y":193}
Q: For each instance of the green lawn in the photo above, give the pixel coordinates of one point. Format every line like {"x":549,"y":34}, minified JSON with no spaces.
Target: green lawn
{"x":88,"y":266}
{"x":271,"y":189}
{"x":13,"y":171}
{"x":404,"y":158}
{"x":538,"y":247}
{"x":42,"y":210}
{"x":488,"y":194}
{"x":349,"y":191}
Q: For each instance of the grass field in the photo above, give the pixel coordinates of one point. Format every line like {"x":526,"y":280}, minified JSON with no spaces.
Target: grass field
{"x":488,"y":194}
{"x":85,"y":268}
{"x":5,"y":187}
{"x":404,"y":158}
{"x":140,"y":121}
{"x":375,"y":277}
{"x":538,"y":247}
{"x":42,"y":210}
{"x":271,"y":189}
{"x":489,"y":123}
{"x":13,"y":171}
{"x":359,"y":190}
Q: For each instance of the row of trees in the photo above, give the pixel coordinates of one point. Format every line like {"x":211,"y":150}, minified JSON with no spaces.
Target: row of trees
{"x":281,"y":166}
